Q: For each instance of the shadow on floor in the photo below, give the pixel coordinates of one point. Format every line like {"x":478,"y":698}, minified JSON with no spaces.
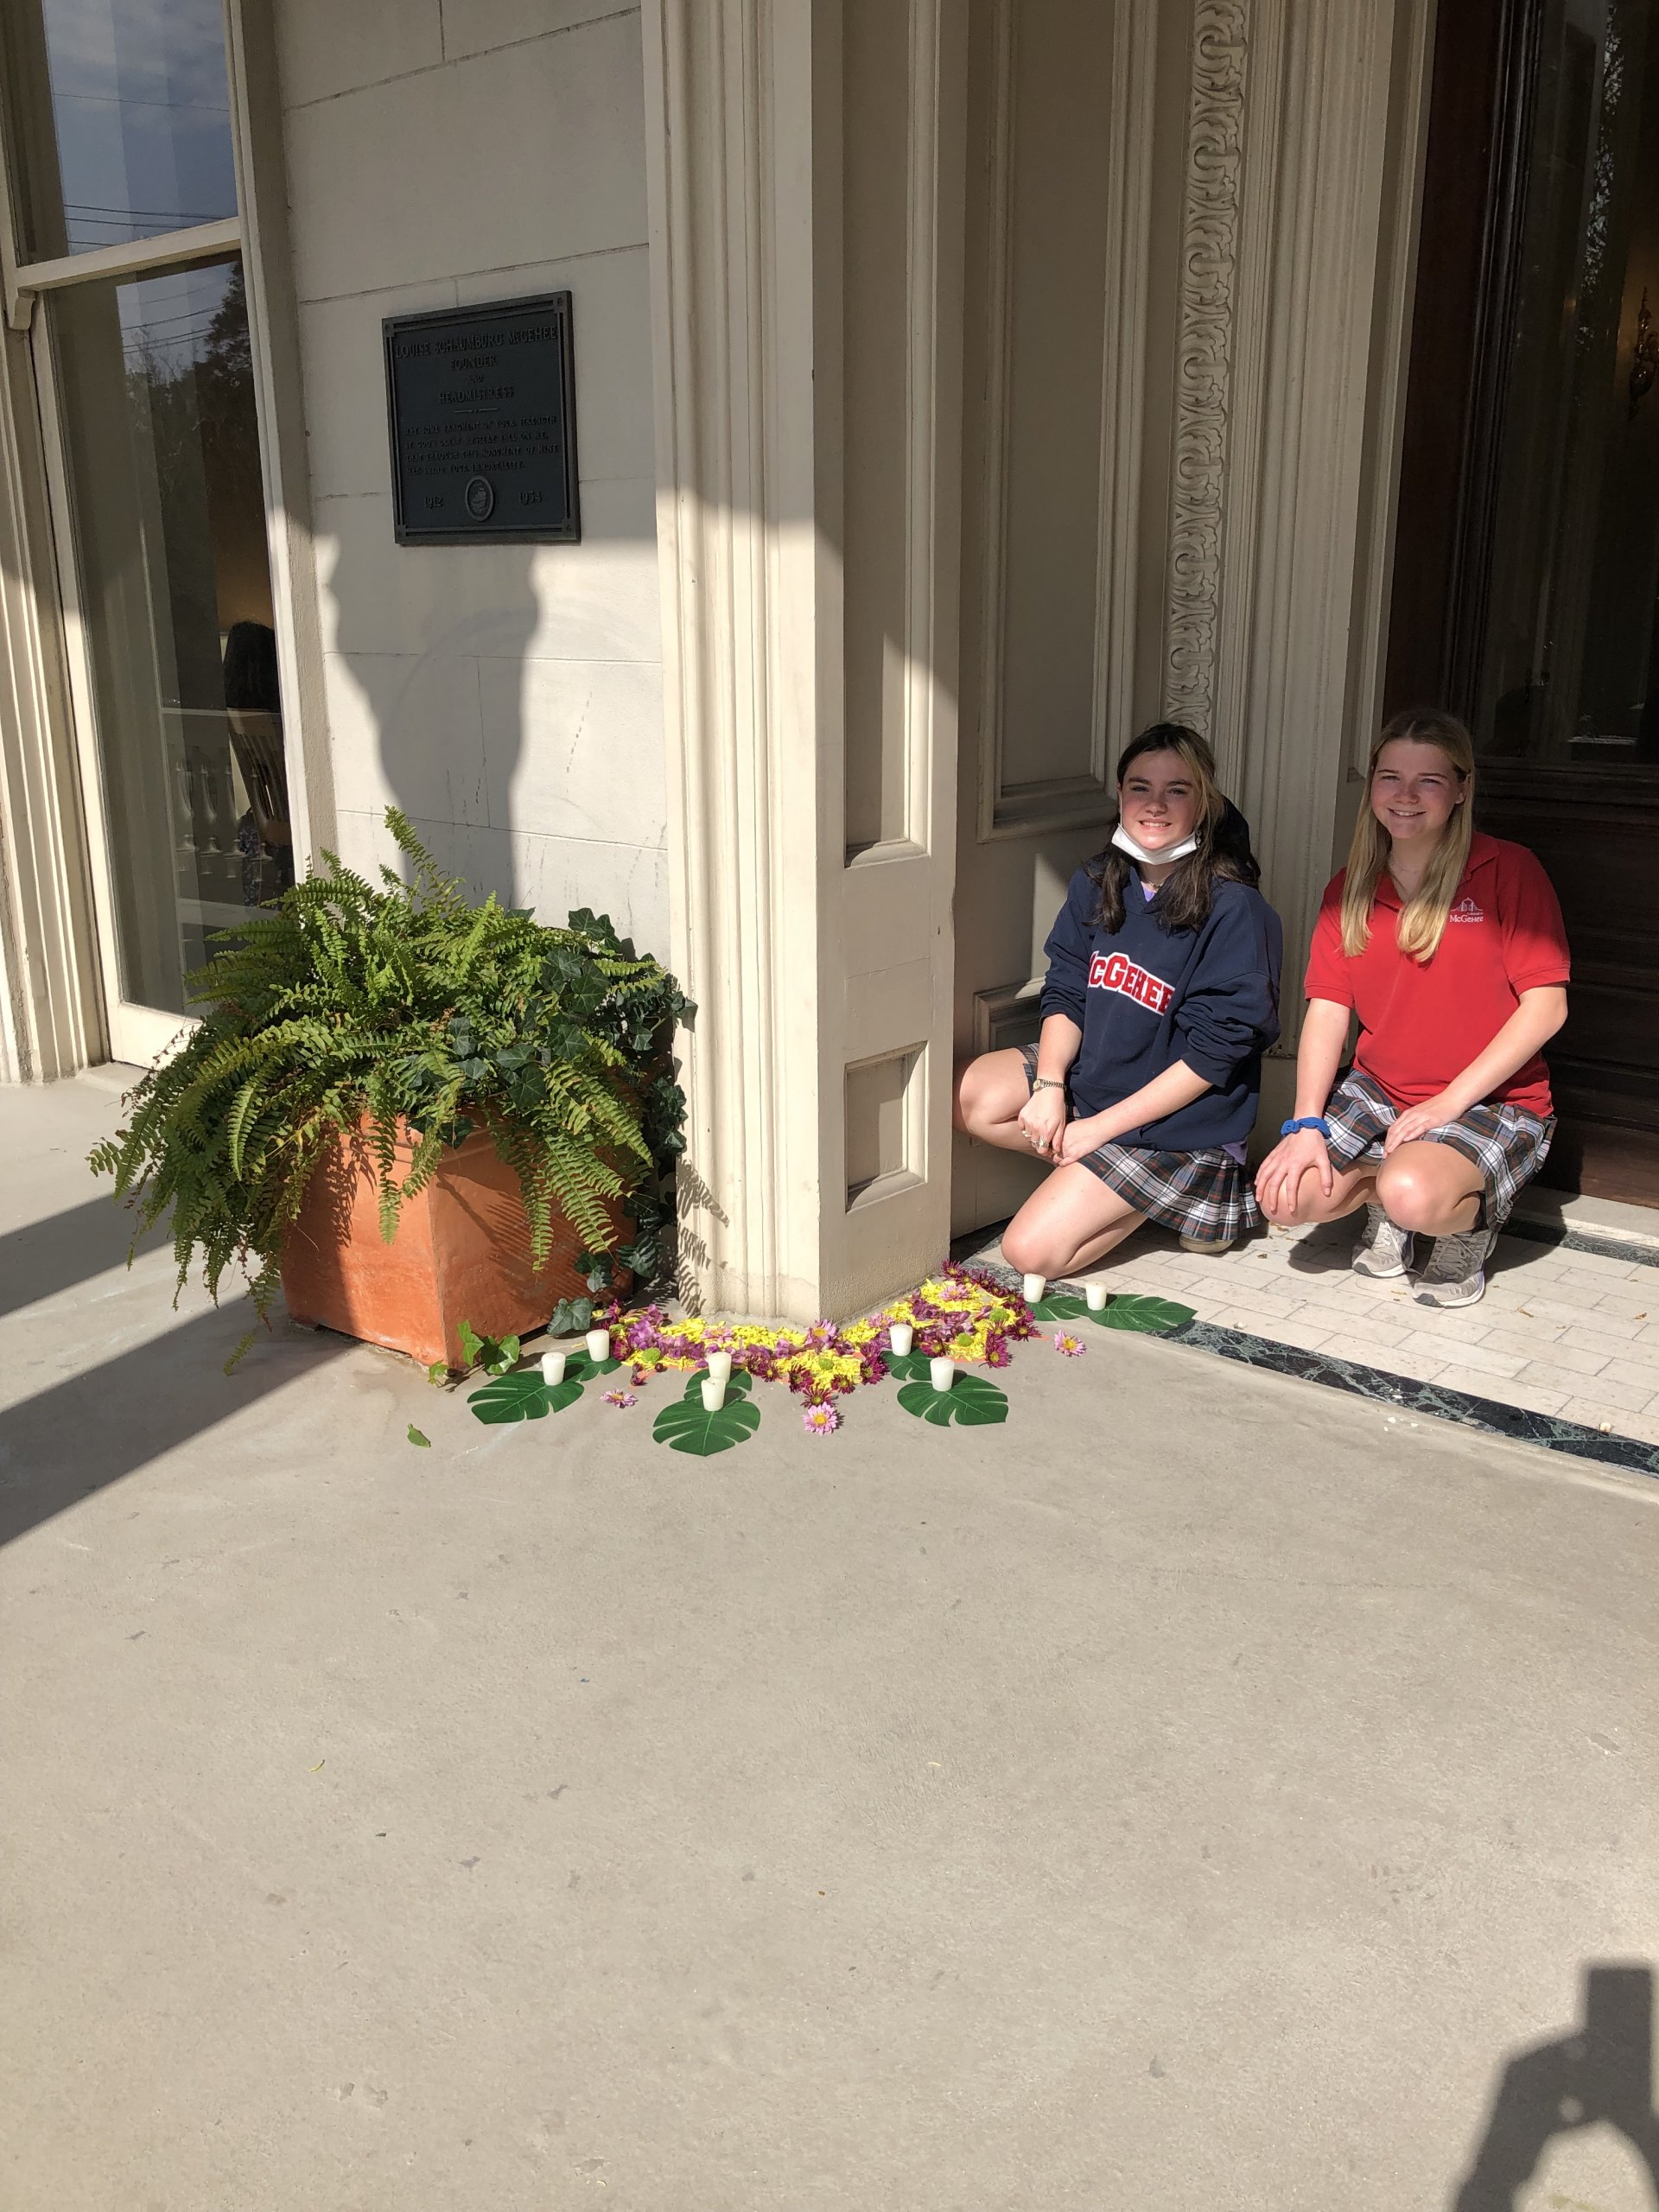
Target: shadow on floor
{"x":1599,"y":2072}
{"x":46,"y":1257}
{"x":81,"y":1434}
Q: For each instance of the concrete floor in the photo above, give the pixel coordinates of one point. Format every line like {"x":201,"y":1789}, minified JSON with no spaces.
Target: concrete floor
{"x":1190,"y":1796}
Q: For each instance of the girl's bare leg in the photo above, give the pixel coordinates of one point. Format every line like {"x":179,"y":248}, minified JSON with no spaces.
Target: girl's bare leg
{"x":1069,"y":1222}
{"x":990,"y":1093}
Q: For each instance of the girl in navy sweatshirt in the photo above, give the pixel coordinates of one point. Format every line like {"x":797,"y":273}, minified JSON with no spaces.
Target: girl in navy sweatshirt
{"x":1162,"y":994}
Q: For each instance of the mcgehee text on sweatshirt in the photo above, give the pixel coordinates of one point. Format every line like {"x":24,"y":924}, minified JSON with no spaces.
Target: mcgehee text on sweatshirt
{"x":1145,"y":996}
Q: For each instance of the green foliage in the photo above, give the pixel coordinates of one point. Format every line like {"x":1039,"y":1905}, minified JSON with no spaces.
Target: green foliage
{"x":495,"y":1355}
{"x":523,"y":1397}
{"x":971,"y":1402}
{"x":688,"y":1426}
{"x":571,"y":1317}
{"x":416,"y":1437}
{"x":407,"y":1003}
{"x":1123,"y":1310}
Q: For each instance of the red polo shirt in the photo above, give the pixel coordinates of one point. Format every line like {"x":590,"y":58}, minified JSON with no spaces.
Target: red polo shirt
{"x":1421,"y":1023}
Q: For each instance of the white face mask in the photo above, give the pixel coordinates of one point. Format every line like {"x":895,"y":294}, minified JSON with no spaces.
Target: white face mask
{"x":1125,"y":843}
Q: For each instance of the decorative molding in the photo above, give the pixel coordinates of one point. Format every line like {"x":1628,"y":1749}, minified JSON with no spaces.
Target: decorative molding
{"x":998,"y":325}
{"x":1132,"y":139}
{"x":728,"y":152}
{"x":1009,"y":1014}
{"x":922,"y":599}
{"x":1329,"y":236}
{"x":1203,"y":356}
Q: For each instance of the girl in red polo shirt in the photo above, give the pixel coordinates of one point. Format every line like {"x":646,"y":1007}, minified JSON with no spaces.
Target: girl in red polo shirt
{"x":1449,"y":947}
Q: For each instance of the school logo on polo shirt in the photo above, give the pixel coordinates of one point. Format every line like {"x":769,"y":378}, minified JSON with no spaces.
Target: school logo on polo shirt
{"x":1466,"y":911}
{"x":1112,"y":971}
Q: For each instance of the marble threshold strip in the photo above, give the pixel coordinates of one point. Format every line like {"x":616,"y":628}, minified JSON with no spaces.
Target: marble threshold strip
{"x":1575,"y":1438}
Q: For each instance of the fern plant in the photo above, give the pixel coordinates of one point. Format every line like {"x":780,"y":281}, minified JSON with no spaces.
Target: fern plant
{"x":408,"y":1005}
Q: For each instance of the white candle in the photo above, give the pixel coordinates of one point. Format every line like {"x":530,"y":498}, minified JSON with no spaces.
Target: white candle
{"x":599,"y":1345}
{"x":1096,"y":1293}
{"x":900,"y":1336}
{"x":1033,"y":1286}
{"x":714,"y":1392}
{"x":944,"y":1372}
{"x":553,"y":1368}
{"x":719,"y":1364}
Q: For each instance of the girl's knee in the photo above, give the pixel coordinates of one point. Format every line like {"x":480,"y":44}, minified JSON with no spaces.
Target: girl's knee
{"x":1413,"y":1198}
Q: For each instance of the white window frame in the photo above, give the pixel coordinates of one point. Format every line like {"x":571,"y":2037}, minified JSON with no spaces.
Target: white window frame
{"x":135,"y":1033}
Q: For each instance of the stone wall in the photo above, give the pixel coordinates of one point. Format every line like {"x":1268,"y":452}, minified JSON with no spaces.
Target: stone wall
{"x":508,"y":698}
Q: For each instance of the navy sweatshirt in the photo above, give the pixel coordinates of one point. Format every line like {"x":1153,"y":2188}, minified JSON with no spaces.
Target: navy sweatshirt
{"x":1147,"y":996}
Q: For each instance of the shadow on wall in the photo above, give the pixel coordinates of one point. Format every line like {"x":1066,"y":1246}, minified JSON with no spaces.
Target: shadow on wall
{"x":422,"y":632}
{"x":1600,"y":2074}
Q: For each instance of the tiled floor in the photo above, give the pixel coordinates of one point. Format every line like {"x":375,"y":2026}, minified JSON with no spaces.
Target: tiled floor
{"x":1571,"y":1333}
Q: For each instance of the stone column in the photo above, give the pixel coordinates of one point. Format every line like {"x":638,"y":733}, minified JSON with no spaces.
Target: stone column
{"x":817,"y":1176}
{"x":49,"y":1023}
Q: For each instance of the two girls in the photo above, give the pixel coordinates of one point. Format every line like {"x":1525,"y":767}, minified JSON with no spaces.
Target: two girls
{"x":1162,"y":995}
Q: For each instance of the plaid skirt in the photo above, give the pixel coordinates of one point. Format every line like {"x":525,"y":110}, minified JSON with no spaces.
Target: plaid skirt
{"x":1205,"y":1195}
{"x":1507,"y":1143}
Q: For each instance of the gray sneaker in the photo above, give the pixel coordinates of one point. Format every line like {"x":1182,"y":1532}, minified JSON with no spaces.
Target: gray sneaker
{"x":1454,"y":1275}
{"x":1382,"y":1250}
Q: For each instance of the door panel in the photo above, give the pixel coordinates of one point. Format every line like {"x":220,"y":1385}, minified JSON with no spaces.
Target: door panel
{"x":1062,"y":500}
{"x":1527,"y":577}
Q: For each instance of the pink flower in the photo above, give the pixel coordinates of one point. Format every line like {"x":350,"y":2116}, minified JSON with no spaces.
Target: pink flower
{"x":820,"y":1420}
{"x":1069,"y":1347}
{"x":627,"y":1398}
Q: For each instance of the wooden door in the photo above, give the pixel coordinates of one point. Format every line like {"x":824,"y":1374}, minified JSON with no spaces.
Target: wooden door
{"x":1526,"y":581}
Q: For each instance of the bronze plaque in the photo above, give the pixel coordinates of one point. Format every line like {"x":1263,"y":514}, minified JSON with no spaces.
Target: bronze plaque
{"x":483,"y":417}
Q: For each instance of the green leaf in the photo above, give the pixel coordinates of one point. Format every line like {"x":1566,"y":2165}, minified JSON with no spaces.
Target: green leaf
{"x":438,"y":1373}
{"x":495,"y":1355}
{"x":1155,"y":1316}
{"x":739,"y":1384}
{"x":971,"y":1402}
{"x":523,"y":1396}
{"x":687,"y":1425}
{"x":1061,"y":1307}
{"x":415,"y":1437}
{"x":907,"y":1366}
{"x":571,"y":1317}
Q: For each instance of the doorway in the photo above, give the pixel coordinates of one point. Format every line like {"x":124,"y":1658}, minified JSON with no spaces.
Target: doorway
{"x":126,"y":245}
{"x":1526,"y":586}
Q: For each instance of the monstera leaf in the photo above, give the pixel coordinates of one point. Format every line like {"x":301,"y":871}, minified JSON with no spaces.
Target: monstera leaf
{"x":522,"y":1396}
{"x":1156,"y":1316}
{"x":1123,"y":1310}
{"x":971,"y":1402}
{"x":907,"y":1366}
{"x":688,"y":1426}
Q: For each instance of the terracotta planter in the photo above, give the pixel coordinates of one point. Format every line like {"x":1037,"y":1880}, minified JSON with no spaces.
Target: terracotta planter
{"x":461,"y":1253}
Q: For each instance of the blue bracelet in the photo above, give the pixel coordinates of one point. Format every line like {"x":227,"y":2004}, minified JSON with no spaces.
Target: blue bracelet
{"x":1308,"y":1122}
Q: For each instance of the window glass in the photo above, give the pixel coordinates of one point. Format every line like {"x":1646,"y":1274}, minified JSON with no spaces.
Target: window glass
{"x":119,"y":122}
{"x":157,"y":386}
{"x":1570,"y":666}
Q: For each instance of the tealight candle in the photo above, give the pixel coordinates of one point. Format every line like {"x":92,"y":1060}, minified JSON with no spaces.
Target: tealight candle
{"x":599,"y":1346}
{"x":1033,"y":1286}
{"x":1095,"y":1293}
{"x":714,"y":1392}
{"x":944,"y":1372}
{"x":900,"y":1336}
{"x":553,"y":1368}
{"x":719,"y":1364}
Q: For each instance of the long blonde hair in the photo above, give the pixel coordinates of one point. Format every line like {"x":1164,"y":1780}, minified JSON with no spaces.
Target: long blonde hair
{"x":1422,"y":921}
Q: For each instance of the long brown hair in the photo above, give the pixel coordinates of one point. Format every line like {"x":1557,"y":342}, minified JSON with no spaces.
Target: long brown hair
{"x":1223,"y":856}
{"x":1422,"y":920}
